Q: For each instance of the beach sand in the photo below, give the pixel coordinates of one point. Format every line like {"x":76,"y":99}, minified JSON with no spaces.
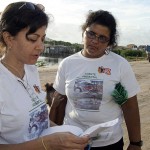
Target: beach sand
{"x":142,"y":72}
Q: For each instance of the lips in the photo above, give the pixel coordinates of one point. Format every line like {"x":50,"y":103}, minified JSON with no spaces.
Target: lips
{"x":36,"y":56}
{"x":91,"y":47}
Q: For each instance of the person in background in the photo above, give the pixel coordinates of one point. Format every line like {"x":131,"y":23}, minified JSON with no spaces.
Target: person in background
{"x":88,"y":79}
{"x":23,"y":111}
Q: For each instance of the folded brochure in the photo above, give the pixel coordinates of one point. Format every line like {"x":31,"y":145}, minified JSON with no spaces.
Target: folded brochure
{"x":93,"y":131}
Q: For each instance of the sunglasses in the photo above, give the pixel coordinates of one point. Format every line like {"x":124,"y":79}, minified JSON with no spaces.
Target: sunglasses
{"x":34,"y":98}
{"x":93,"y":35}
{"x":31,"y":6}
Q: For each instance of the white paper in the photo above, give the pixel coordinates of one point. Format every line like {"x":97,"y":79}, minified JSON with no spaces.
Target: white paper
{"x":92,"y":131}
{"x":63,"y":128}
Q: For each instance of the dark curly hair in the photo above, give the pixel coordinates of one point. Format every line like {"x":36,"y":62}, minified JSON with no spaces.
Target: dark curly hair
{"x":104,"y":18}
{"x":15,"y":17}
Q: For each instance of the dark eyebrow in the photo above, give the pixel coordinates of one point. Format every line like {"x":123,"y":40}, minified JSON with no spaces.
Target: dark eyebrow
{"x":91,"y":31}
{"x":37,"y":34}
{"x":96,"y":33}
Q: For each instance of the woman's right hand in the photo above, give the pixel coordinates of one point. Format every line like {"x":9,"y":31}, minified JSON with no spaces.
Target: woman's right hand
{"x":65,"y":141}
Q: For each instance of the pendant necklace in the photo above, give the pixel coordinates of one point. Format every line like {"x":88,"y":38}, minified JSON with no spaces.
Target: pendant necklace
{"x":13,"y":70}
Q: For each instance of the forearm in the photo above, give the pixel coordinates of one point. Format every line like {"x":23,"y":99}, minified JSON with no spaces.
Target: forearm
{"x":34,"y":144}
{"x":55,"y":141}
{"x":132,"y":119}
{"x":57,"y":110}
{"x":53,"y":114}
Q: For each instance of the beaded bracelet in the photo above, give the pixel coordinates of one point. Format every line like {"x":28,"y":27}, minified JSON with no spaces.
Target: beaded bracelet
{"x":43,"y":143}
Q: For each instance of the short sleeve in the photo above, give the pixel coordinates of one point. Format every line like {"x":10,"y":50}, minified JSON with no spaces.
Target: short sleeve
{"x":128,"y":79}
{"x":59,"y":83}
{"x":1,"y":106}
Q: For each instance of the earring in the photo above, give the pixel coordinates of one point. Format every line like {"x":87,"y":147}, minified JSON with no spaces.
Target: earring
{"x":107,"y":50}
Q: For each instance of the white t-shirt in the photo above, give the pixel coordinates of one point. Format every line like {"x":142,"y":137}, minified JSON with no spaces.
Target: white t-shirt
{"x":23,"y":111}
{"x":88,"y":84}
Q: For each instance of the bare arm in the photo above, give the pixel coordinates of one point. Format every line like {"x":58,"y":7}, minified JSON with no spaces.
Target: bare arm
{"x":34,"y":144}
{"x":57,"y":110}
{"x":56,"y":141}
{"x":132,"y":119}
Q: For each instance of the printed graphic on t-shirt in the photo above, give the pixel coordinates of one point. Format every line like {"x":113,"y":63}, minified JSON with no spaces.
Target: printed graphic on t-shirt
{"x":38,"y":113}
{"x":88,"y":93}
{"x":102,"y":69}
{"x":38,"y":121}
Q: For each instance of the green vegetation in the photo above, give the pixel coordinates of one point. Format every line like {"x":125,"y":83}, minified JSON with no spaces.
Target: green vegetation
{"x":132,"y":55}
{"x":40,"y":63}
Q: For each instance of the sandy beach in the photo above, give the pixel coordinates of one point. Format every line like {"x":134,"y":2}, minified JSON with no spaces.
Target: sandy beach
{"x":142,"y":72}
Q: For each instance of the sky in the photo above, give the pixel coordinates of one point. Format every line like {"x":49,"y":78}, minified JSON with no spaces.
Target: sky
{"x":132,"y":16}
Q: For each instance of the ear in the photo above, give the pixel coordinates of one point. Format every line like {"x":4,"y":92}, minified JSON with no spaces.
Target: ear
{"x":7,"y":38}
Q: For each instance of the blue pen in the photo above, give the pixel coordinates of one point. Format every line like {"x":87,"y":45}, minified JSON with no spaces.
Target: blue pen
{"x":89,"y":147}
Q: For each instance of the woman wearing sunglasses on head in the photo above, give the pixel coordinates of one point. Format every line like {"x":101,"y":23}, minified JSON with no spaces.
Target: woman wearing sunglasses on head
{"x":89,"y":79}
{"x":23,"y":111}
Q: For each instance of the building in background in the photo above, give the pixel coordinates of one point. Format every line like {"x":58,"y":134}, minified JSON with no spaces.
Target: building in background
{"x":132,"y":47}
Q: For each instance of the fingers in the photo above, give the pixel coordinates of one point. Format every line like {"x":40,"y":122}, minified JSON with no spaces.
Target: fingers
{"x":66,"y":140}
{"x":77,"y":142}
{"x":81,"y":140}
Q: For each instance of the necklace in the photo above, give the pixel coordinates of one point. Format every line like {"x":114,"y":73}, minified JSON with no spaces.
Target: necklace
{"x":34,"y":98}
{"x":12,"y":69}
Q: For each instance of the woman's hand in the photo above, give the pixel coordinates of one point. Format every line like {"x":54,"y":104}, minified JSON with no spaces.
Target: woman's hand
{"x":65,"y":141}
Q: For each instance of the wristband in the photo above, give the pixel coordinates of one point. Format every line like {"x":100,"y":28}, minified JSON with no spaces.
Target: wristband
{"x":139,"y":143}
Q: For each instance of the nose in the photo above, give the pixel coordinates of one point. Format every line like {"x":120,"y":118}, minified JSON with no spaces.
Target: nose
{"x":95,"y":39}
{"x":40,"y":46}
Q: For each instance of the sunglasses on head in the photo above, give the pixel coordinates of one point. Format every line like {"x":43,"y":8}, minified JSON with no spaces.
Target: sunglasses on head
{"x":31,"y":6}
{"x":93,"y":35}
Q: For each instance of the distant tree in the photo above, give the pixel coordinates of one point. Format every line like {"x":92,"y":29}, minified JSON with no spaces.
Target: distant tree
{"x":77,"y":47}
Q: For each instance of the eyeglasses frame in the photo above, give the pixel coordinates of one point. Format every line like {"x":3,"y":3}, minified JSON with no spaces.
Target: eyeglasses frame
{"x":97,"y":36}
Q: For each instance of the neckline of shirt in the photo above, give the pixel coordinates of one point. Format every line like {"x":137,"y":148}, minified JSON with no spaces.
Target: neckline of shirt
{"x":91,"y":59}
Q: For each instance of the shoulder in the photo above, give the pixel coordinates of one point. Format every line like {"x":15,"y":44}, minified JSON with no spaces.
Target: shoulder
{"x":117,"y":57}
{"x":4,"y":75}
{"x":119,"y":60}
{"x":70,"y":59}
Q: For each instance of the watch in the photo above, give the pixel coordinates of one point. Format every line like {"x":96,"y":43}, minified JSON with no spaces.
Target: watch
{"x":139,"y":143}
